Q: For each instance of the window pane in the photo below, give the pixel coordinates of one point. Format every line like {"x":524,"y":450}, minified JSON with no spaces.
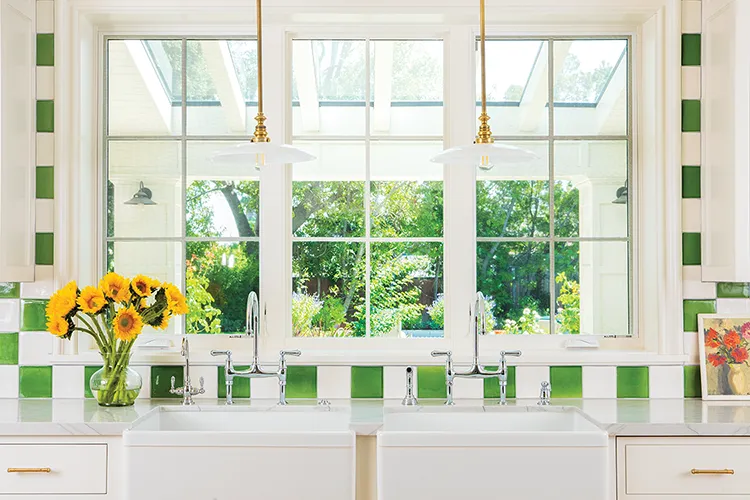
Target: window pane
{"x":144,"y":87}
{"x":517,"y":86}
{"x":328,"y":286}
{"x":406,"y":290}
{"x":218,"y":278}
{"x":592,"y":288}
{"x":513,"y":200}
{"x":222,"y":200}
{"x":514,"y":277}
{"x":591,"y":87}
{"x":158,"y":166}
{"x":590,"y":189}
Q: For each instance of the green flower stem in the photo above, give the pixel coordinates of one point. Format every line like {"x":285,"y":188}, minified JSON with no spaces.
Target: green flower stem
{"x":100,"y":340}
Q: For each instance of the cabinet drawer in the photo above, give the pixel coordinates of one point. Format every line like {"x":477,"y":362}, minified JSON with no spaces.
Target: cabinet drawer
{"x":73,"y":469}
{"x":685,"y":466}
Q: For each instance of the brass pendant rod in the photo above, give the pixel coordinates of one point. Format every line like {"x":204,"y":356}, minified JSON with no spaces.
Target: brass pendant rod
{"x":483,"y":55}
{"x":260,"y":55}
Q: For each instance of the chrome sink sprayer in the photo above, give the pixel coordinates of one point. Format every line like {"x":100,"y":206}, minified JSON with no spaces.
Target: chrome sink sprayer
{"x":187,"y":391}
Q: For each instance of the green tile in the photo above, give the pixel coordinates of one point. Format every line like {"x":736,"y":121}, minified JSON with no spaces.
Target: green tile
{"x":45,"y":116}
{"x":431,"y":382}
{"x":45,"y":249}
{"x":8,"y":348}
{"x":492,"y":385}
{"x":691,"y":115}
{"x":632,"y":382}
{"x":691,"y":249}
{"x":691,"y":49}
{"x":692,"y":381}
{"x":691,"y":309}
{"x":367,"y":382}
{"x":88,"y":371}
{"x":45,"y":49}
{"x":566,"y":381}
{"x":691,"y":182}
{"x":10,"y":290}
{"x":302,"y":382}
{"x":733,"y":290}
{"x":35,"y":381}
{"x":33,"y":315}
{"x":161,"y":380}
{"x":240,"y":386}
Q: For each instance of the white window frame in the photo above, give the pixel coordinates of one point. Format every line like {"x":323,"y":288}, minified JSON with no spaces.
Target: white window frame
{"x":655,"y":29}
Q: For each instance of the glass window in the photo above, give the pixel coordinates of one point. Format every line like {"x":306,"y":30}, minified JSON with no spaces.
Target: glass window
{"x":367,"y":215}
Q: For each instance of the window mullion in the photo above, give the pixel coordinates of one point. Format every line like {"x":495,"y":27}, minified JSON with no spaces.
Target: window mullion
{"x":551,"y":187}
{"x":367,"y":197}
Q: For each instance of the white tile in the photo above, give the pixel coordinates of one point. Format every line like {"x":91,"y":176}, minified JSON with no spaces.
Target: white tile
{"x":45,"y":216}
{"x":9,"y":314}
{"x":145,"y":373}
{"x":45,"y":149}
{"x":264,"y":388}
{"x":666,"y":382}
{"x":394,"y":382}
{"x":693,"y":287}
{"x":691,"y":148}
{"x":690,"y":347}
{"x":45,"y":16}
{"x":34,"y":348}
{"x":599,"y":381}
{"x":691,"y":82}
{"x":45,"y":82}
{"x":691,"y":215}
{"x":468,"y":388}
{"x":733,"y":306}
{"x":8,"y":407}
{"x":67,"y":381}
{"x":334,"y":382}
{"x":9,"y":377}
{"x":691,"y":16}
{"x":210,"y":376}
{"x":529,"y":379}
{"x":43,"y":285}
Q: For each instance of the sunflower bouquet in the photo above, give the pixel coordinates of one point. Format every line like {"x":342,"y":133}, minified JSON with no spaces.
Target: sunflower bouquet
{"x":114,"y":314}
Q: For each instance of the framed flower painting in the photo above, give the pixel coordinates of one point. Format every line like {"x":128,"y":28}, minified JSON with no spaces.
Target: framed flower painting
{"x":724,"y":345}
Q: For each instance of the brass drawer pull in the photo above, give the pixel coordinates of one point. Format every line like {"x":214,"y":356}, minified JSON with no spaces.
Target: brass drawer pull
{"x":712,"y":472}
{"x":45,"y":470}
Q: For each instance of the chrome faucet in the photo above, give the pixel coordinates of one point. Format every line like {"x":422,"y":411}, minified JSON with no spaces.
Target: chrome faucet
{"x":410,"y":399}
{"x":187,"y":391}
{"x":255,"y":370}
{"x":478,"y":327}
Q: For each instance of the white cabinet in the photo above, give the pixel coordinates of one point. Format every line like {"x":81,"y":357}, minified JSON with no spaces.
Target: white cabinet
{"x":17,"y":139}
{"x":725,"y":172}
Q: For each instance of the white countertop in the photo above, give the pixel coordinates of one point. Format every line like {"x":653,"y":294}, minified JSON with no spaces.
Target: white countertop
{"x":619,"y":417}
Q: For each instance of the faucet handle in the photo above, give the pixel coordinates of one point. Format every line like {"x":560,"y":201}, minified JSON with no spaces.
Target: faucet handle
{"x":510,"y":353}
{"x":295,"y":352}
{"x":447,"y":354}
{"x":173,"y":390}
{"x":228,"y":354}
{"x":544,"y":394}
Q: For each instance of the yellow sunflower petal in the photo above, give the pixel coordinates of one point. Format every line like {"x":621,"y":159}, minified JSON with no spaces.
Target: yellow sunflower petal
{"x":127,"y":324}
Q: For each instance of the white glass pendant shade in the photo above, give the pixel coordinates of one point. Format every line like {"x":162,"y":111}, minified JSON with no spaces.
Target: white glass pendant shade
{"x":484,"y":156}
{"x":261,"y":153}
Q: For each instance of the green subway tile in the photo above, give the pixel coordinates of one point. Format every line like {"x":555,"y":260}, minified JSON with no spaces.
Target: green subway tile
{"x":45,"y":49}
{"x":33,"y":315}
{"x":691,"y":182}
{"x":733,"y":290}
{"x":240,"y":386}
{"x":566,"y":381}
{"x":35,"y":381}
{"x":632,"y":381}
{"x":692,"y":381}
{"x":691,"y":49}
{"x":691,"y":115}
{"x":88,"y":371}
{"x":45,"y":182}
{"x":302,"y":382}
{"x":8,"y":348}
{"x":367,"y":382}
{"x":45,"y":249}
{"x":691,"y":309}
{"x":691,"y":249}
{"x":431,"y":382}
{"x":492,"y":385}
{"x":45,"y":116}
{"x":10,"y":290}
{"x":161,"y":381}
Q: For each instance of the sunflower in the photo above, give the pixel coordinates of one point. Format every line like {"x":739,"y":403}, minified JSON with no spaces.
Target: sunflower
{"x":115,"y":287}
{"x":92,"y":300}
{"x":176,"y":302}
{"x":143,"y":286}
{"x":127,"y":324}
{"x":63,"y":301}
{"x":58,"y":326}
{"x":163,"y":321}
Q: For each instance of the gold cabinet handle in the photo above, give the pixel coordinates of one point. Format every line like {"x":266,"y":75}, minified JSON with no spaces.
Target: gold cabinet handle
{"x":712,"y":472}
{"x":45,"y":470}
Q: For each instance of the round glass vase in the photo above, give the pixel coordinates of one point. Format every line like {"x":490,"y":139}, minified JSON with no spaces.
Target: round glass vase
{"x":115,"y":386}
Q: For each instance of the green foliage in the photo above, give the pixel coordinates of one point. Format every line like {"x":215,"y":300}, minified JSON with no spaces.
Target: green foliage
{"x":437,"y":311}
{"x":304,"y":309}
{"x":569,"y":300}
{"x":528,"y":323}
{"x":332,"y":315}
{"x":202,"y":316}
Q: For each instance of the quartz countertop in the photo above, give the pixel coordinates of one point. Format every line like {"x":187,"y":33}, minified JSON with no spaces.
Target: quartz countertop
{"x":619,"y":417}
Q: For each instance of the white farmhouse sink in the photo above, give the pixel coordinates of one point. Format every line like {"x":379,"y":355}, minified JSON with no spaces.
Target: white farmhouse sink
{"x":521,"y":453}
{"x":221,"y":453}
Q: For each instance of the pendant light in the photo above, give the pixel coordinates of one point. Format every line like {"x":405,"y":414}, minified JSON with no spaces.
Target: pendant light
{"x":260,"y":150}
{"x":484,"y":153}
